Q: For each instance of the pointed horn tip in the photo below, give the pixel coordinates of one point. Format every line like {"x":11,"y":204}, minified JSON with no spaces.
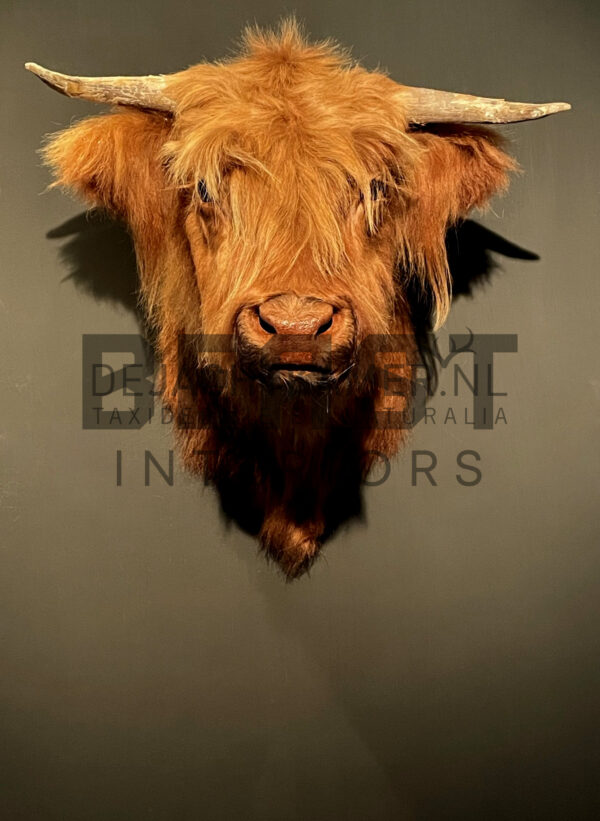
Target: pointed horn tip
{"x":40,"y":71}
{"x":546,"y":109}
{"x":535,"y":111}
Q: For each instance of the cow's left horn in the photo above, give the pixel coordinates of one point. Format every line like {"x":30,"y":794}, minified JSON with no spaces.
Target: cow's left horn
{"x":427,"y":105}
{"x":142,"y":92}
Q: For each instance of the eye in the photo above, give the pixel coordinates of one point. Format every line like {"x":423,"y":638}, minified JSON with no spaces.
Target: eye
{"x":203,"y":192}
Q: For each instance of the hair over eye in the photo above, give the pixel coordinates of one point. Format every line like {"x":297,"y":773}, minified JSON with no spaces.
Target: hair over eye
{"x":378,"y":190}
{"x":203,"y":192}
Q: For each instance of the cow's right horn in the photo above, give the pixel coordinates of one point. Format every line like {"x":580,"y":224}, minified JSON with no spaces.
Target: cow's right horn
{"x":142,"y":92}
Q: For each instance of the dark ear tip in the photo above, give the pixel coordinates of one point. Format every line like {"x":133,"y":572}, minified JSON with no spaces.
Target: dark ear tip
{"x":76,"y":224}
{"x":513,"y":251}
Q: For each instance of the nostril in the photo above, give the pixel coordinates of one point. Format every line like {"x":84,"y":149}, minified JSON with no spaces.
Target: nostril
{"x":325,"y":326}
{"x":266,"y":326}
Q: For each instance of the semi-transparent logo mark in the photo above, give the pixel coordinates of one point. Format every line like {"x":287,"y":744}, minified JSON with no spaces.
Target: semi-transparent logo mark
{"x":119,"y":388}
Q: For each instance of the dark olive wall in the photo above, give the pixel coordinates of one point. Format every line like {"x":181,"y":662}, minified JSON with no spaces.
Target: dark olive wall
{"x":441,"y":660}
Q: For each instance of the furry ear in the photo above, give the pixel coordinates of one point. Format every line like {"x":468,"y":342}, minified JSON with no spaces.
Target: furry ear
{"x":459,"y":168}
{"x":113,"y":161}
{"x":462,"y":167}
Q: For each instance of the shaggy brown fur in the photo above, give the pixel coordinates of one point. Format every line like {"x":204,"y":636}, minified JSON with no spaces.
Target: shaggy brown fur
{"x":318,"y":188}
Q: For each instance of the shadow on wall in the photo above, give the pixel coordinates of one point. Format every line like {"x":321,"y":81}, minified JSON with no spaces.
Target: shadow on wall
{"x":100,"y":256}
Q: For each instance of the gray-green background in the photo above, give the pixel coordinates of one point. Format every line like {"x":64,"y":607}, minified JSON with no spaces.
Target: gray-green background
{"x":442,"y":660}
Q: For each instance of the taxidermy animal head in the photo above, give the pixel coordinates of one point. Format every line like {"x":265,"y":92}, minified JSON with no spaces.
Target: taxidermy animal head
{"x":287,"y":207}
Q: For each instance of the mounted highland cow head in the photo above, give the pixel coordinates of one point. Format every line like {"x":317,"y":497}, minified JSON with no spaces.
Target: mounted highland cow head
{"x":287,"y":208}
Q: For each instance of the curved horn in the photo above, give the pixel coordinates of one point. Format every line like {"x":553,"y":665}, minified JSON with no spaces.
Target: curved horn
{"x":426,"y":105}
{"x":142,"y":92}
